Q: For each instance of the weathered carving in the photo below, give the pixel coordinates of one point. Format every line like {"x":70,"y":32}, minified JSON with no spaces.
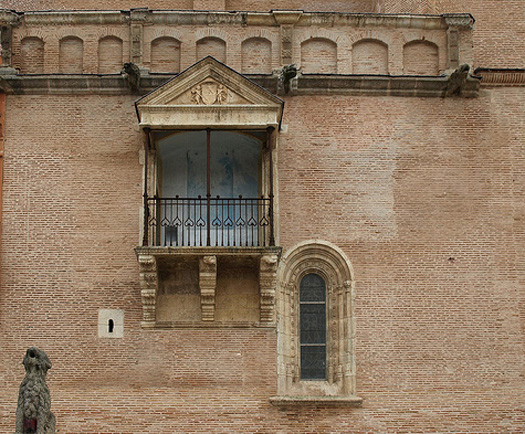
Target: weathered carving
{"x":207,"y":284}
{"x":288,"y":73}
{"x":33,"y":414}
{"x":148,"y":289}
{"x":267,"y":284}
{"x":457,"y":80}
{"x":133,"y":76}
{"x":208,"y":93}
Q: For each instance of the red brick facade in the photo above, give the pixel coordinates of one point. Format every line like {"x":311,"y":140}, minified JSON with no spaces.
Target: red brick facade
{"x":424,"y":195}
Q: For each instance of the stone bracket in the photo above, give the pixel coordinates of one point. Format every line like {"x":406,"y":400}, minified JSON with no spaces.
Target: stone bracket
{"x":207,"y":284}
{"x":148,"y":289}
{"x":267,"y":284}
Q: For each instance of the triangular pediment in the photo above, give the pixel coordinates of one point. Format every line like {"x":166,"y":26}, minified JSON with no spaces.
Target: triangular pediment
{"x":209,"y":94}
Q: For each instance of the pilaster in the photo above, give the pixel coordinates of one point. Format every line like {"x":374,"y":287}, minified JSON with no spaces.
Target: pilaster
{"x":287,"y":20}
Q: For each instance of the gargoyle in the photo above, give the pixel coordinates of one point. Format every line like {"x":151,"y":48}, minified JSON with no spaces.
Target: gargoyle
{"x":133,"y":76}
{"x":33,"y":414}
{"x":287,"y":74}
{"x":457,"y":80}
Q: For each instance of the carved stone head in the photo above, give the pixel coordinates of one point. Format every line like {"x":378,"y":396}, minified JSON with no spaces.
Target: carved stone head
{"x":36,"y":361}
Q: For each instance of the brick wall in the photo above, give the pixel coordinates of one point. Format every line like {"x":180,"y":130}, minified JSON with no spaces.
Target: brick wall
{"x":497,"y":30}
{"x":425,"y":196}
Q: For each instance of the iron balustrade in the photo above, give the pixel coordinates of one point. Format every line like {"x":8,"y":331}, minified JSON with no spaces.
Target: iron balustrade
{"x":206,"y":221}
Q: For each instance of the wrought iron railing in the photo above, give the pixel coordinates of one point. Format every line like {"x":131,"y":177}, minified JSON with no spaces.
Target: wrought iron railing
{"x":206,"y":221}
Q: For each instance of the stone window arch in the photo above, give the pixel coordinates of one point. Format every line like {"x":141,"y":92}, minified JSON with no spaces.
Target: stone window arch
{"x":328,"y":263}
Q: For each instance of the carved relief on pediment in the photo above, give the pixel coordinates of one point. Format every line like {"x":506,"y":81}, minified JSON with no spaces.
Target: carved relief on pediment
{"x":209,"y":92}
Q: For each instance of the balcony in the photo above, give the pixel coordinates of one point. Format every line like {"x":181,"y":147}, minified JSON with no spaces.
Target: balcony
{"x":209,"y":222}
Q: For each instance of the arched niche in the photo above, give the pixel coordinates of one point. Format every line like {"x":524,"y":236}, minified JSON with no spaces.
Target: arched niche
{"x":370,"y":56}
{"x":71,"y":55}
{"x":319,"y":56}
{"x":211,"y":46}
{"x":32,"y":55}
{"x":420,"y":58}
{"x":165,"y":55}
{"x":109,"y":55}
{"x":256,"y":56}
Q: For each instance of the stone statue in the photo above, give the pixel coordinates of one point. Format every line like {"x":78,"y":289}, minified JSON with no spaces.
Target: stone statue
{"x":33,"y":415}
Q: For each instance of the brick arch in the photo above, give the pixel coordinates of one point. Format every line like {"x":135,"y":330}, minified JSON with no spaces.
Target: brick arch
{"x":31,"y":55}
{"x":211,"y":46}
{"x":71,"y":55}
{"x":110,"y":54}
{"x":256,"y":56}
{"x":374,"y":35}
{"x":420,"y":57}
{"x":319,"y":55}
{"x":165,"y":54}
{"x":213,"y":33}
{"x":370,"y":56}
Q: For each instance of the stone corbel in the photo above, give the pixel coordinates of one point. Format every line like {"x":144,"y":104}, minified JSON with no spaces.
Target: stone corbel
{"x":267,"y":284}
{"x":148,"y":289}
{"x":207,"y":284}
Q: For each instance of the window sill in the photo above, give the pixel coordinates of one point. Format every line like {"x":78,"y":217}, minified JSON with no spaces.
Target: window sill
{"x":294,"y":401}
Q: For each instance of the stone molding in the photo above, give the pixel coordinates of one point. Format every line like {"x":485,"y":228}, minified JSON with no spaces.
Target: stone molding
{"x":271,"y":18}
{"x":307,"y":84}
{"x":459,"y":21}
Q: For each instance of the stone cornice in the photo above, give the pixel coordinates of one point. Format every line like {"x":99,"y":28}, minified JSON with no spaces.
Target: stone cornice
{"x":272,"y":18}
{"x":309,"y":84}
{"x":501,"y":76}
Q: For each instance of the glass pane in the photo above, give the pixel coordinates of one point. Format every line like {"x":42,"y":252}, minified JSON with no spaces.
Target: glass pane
{"x":313,"y":288}
{"x":313,"y":363}
{"x":313,"y":324}
{"x":234,"y":164}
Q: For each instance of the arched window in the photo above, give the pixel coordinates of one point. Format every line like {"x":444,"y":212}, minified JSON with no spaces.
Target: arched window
{"x":316,"y":326}
{"x":312,"y":300}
